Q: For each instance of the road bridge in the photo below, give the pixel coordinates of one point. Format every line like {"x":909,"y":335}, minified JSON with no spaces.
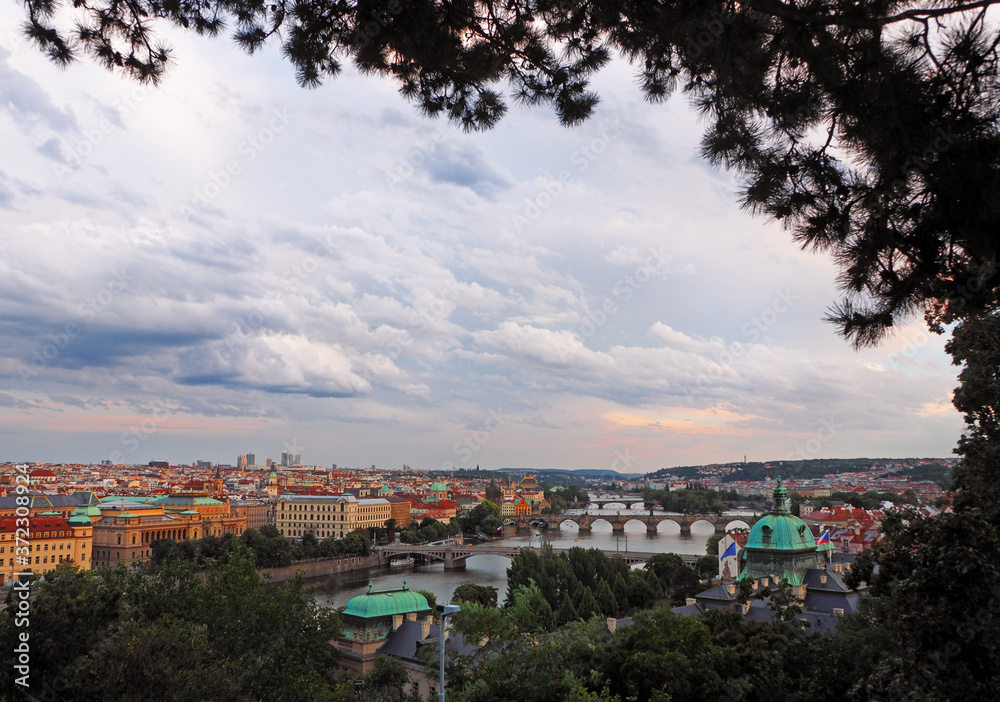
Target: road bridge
{"x":455,"y":555}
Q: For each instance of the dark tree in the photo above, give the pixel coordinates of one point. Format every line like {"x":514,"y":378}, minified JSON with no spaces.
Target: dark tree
{"x":485,"y":595}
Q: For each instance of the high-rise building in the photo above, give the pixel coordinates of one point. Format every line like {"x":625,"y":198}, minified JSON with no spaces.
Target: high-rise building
{"x":284,"y":458}
{"x":251,"y":459}
{"x":241,"y":462}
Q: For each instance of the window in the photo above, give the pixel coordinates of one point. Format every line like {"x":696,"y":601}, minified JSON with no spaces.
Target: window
{"x":765,"y":535}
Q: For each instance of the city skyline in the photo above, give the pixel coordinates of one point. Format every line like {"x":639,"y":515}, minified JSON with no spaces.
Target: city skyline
{"x":227,"y":261}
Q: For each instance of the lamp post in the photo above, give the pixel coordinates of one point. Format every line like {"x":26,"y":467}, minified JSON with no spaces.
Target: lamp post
{"x":445,"y":610}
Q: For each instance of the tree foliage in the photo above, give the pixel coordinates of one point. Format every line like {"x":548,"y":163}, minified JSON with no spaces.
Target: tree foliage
{"x":692,"y":500}
{"x":174,"y":634}
{"x":485,"y":595}
{"x":586,"y":582}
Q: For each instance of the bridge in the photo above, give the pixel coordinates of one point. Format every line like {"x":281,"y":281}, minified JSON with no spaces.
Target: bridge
{"x":585,"y":521}
{"x":455,"y":555}
{"x":627,"y":501}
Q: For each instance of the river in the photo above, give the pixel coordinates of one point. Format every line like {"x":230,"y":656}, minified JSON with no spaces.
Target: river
{"x":492,"y":570}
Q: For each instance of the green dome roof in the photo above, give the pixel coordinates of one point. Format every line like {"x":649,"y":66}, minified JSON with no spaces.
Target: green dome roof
{"x":438,"y":486}
{"x":79,"y":519}
{"x":781,"y":532}
{"x":779,"y":529}
{"x":386,"y":603}
{"x":88,"y":511}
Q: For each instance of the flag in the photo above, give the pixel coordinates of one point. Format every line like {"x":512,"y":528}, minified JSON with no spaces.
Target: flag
{"x":824,"y":538}
{"x":730,"y":551}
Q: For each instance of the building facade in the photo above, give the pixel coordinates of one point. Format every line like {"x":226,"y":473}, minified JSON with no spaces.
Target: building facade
{"x":326,"y":516}
{"x":51,"y":540}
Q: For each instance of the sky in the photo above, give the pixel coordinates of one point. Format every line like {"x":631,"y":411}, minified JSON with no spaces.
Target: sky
{"x":228,"y":263}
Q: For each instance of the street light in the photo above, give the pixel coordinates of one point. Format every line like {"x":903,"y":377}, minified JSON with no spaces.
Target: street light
{"x":445,"y":610}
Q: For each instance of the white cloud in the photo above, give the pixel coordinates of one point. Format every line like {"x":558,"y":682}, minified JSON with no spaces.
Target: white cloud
{"x":314,"y":296}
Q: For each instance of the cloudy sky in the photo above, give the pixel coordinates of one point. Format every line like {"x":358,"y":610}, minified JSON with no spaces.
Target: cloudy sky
{"x":230,"y":263}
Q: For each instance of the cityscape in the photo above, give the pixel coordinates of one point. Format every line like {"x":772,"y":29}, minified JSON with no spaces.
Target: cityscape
{"x":493,"y":351}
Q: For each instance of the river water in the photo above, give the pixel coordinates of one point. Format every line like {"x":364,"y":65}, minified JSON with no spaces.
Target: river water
{"x":492,"y":570}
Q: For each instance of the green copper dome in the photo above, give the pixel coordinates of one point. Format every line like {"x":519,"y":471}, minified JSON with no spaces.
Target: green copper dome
{"x":779,"y":529}
{"x":438,"y":486}
{"x":781,"y":532}
{"x":79,"y":519}
{"x":386,"y":603}
{"x":780,"y":545}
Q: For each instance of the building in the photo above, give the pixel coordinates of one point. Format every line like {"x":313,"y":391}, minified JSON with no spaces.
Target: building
{"x":52,"y":540}
{"x":127,"y":526}
{"x":65,"y":505}
{"x":400,"y":510}
{"x":396,"y":623}
{"x":256,"y":512}
{"x":324,"y":516}
{"x":438,"y":491}
{"x":781,"y":551}
{"x":127,"y":529}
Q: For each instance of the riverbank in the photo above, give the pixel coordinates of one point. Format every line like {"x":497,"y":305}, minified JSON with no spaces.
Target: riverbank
{"x":319,"y":568}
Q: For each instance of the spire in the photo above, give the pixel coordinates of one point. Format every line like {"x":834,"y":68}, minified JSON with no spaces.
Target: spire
{"x":780,"y":498}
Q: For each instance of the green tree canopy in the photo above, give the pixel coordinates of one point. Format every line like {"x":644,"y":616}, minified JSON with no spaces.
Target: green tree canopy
{"x":173,"y":634}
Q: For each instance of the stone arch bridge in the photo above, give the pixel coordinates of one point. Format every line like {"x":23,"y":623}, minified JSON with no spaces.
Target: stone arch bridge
{"x":652,"y":521}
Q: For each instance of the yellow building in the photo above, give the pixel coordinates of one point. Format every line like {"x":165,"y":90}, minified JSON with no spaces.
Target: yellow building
{"x":329,"y":515}
{"x":128,"y":526}
{"x":51,"y":540}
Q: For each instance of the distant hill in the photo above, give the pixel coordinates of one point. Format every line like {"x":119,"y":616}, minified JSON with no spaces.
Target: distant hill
{"x":592,"y":474}
{"x":799,"y":470}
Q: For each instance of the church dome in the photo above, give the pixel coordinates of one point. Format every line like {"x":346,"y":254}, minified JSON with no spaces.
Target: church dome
{"x":438,"y":486}
{"x":779,"y":529}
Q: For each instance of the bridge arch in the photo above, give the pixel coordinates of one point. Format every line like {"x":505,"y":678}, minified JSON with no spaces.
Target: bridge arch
{"x":668,"y":520}
{"x":571,"y":520}
{"x":602,"y":520}
{"x":635,"y":520}
{"x":704,"y":520}
{"x":737,"y":523}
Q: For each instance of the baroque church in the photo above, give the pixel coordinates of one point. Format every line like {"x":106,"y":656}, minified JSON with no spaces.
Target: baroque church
{"x":781,"y":553}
